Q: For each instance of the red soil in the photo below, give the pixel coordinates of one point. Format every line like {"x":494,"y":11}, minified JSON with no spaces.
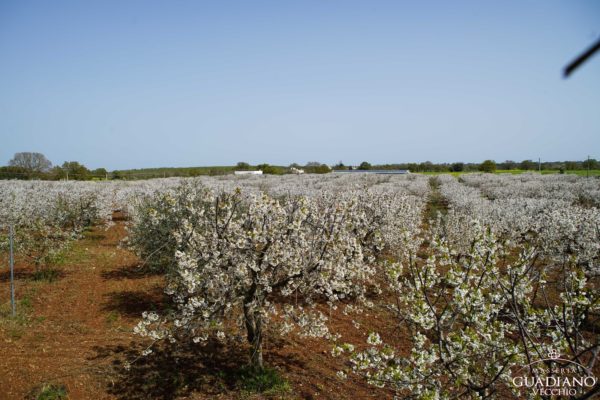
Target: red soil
{"x":77,"y":332}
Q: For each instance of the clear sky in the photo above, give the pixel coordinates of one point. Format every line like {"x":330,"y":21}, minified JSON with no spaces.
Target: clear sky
{"x":131,"y":84}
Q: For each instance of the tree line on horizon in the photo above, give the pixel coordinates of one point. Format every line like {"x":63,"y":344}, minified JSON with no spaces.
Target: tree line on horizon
{"x":485,"y":166}
{"x":31,"y":165}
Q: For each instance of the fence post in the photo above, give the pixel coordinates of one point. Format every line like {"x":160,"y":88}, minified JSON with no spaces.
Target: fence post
{"x":12,"y":270}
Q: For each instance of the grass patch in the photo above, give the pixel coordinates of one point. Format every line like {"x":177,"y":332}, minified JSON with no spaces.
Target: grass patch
{"x":455,"y":174}
{"x":46,"y":275}
{"x":76,"y":252}
{"x":580,"y":172}
{"x":60,"y":257}
{"x":262,"y":380}
{"x":23,"y":307}
{"x":14,"y":326}
{"x":112,"y":317}
{"x":49,"y":391}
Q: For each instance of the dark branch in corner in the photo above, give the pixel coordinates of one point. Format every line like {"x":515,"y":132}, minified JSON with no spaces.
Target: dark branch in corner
{"x":581,"y":59}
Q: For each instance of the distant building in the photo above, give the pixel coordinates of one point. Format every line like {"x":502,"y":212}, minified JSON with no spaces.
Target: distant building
{"x":297,"y":171}
{"x":247,"y":172}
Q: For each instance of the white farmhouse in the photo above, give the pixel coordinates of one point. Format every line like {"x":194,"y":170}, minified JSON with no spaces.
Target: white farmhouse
{"x":247,"y":172}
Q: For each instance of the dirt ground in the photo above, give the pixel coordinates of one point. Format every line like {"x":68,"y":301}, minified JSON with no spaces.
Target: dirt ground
{"x":76,"y":331}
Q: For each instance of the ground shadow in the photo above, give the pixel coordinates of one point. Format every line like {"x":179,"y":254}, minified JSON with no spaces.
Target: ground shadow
{"x":131,"y":271}
{"x":173,"y":370}
{"x":44,"y":274}
{"x":134,"y":303}
{"x":120,"y":216}
{"x":179,"y":369}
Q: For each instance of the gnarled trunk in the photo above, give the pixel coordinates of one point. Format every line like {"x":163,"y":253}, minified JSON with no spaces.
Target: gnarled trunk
{"x":253,"y":320}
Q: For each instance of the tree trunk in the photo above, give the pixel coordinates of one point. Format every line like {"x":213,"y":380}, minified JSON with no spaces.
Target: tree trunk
{"x":253,"y":321}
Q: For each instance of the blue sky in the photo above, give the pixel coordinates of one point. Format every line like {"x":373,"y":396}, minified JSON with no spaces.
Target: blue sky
{"x":131,"y":84}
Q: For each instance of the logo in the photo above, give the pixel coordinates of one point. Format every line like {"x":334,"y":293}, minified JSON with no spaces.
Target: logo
{"x":554,"y":376}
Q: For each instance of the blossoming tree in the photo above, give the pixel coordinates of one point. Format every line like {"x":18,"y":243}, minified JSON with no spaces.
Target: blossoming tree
{"x":237,"y":254}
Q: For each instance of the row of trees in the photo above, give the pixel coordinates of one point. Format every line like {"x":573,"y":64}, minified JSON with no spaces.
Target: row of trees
{"x":27,"y":165}
{"x":486,"y":166}
{"x":312,"y":167}
{"x":478,"y":318}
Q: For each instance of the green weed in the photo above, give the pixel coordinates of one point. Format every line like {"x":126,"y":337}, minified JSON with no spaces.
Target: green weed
{"x":50,"y":391}
{"x":262,"y":380}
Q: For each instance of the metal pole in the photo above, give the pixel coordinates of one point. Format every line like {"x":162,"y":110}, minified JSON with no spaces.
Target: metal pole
{"x":540,"y":165}
{"x":12,"y":272}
